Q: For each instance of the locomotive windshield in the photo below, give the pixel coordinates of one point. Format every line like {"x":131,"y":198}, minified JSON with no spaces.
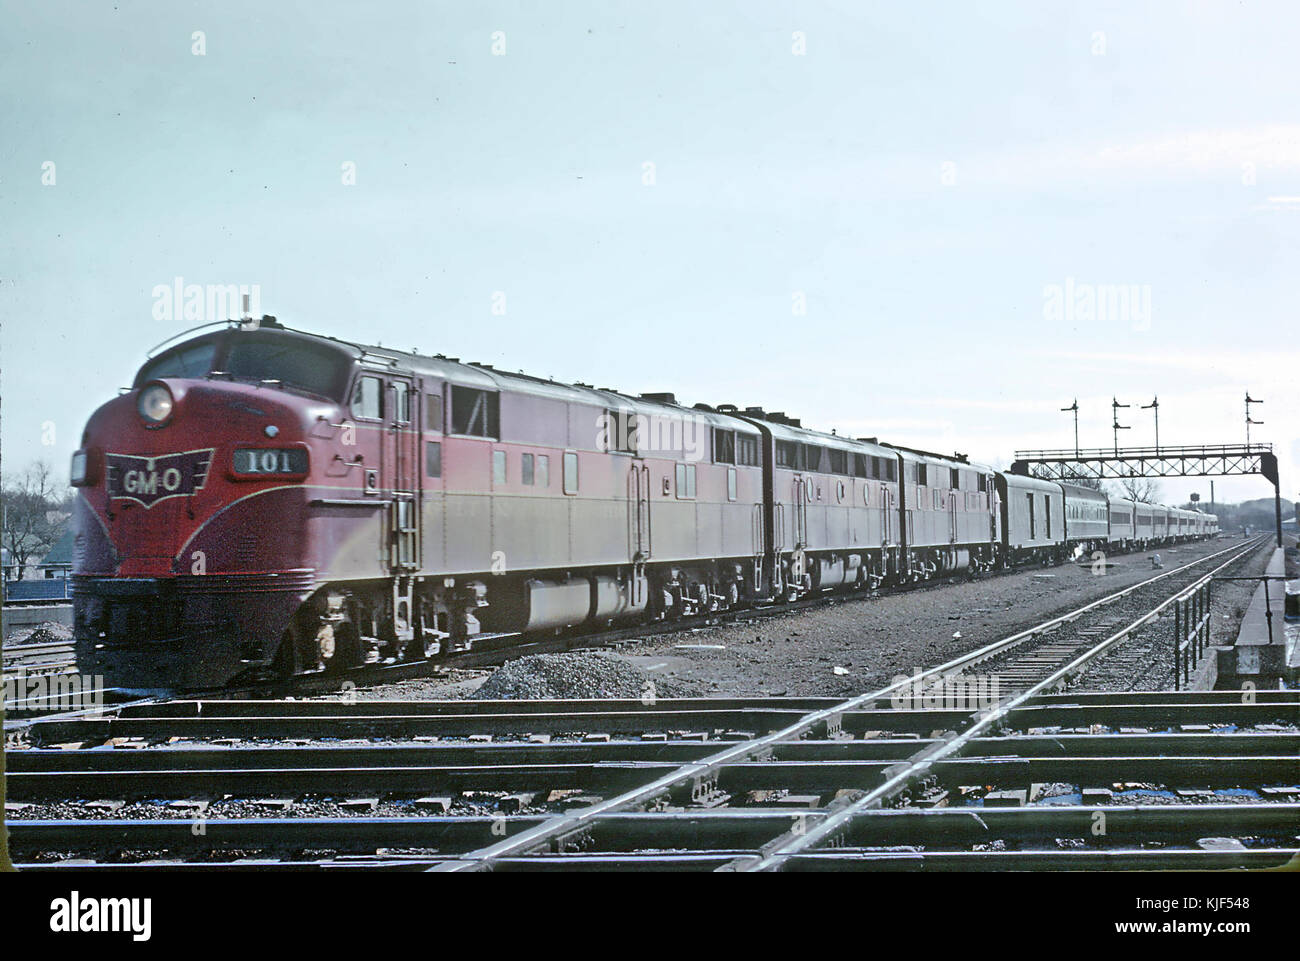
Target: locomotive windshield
{"x":294,"y":363}
{"x":193,"y":360}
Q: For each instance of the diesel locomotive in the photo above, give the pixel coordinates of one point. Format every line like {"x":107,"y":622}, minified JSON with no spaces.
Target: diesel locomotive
{"x":266,"y":500}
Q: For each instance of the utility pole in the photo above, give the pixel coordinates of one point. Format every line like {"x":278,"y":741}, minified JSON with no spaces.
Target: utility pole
{"x":1249,"y":421}
{"x":1117,"y":426}
{"x":1075,"y":407}
{"x":1155,"y":406}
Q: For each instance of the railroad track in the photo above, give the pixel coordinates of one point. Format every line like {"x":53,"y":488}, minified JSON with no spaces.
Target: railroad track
{"x":1025,"y":659}
{"x":1181,"y":780}
{"x":27,"y":654}
{"x":1035,"y":780}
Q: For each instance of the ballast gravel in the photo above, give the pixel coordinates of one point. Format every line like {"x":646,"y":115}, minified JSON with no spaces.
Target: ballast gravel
{"x":577,"y":675}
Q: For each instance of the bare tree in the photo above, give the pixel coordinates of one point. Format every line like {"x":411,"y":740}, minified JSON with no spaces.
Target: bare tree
{"x":1141,"y":489}
{"x":34,"y":514}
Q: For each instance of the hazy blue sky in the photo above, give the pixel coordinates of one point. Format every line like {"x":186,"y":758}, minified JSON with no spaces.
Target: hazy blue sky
{"x":920,"y":174}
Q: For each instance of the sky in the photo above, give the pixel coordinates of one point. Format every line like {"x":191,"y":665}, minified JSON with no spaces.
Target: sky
{"x":887,"y":219}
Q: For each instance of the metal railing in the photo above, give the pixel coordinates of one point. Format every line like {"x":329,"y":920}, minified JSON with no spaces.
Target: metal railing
{"x":1191,"y":630}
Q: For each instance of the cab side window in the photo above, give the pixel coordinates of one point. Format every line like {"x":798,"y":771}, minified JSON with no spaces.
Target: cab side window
{"x":368,"y":398}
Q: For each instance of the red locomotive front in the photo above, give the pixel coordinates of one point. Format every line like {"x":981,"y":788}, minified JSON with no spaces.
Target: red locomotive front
{"x":193,"y":551}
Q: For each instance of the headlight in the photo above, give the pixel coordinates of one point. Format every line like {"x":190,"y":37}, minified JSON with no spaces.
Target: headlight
{"x":155,"y":403}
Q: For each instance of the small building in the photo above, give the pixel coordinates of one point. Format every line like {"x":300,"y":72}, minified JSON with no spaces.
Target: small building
{"x":57,"y":561}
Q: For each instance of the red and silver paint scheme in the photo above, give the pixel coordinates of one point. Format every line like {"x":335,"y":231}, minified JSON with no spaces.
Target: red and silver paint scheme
{"x":267,"y":500}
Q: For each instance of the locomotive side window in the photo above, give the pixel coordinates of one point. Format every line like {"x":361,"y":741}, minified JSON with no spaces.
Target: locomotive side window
{"x":433,"y":412}
{"x":570,"y":472}
{"x":724,"y":446}
{"x":620,"y":431}
{"x":368,"y":398}
{"x":433,"y":458}
{"x":498,"y":467}
{"x":526,"y":469}
{"x":746,"y":450}
{"x":543,"y":470}
{"x":401,"y":402}
{"x":788,"y":454}
{"x":839,"y":461}
{"x":476,"y":413}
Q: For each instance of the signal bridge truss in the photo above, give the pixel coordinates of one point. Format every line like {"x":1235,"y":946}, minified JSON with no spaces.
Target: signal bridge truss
{"x":1121,"y":463}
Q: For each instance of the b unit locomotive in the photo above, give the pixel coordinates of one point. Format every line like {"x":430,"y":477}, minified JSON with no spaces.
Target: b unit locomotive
{"x":269,"y":500}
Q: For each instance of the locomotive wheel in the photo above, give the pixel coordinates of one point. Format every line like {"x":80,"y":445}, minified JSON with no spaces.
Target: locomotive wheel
{"x":422,"y":647}
{"x":343,"y":644}
{"x":335,"y":647}
{"x":285,"y":663}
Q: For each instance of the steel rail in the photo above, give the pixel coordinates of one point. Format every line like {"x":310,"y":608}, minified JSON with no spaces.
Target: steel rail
{"x":18,"y":652}
{"x":702,"y":723}
{"x":461,"y":754}
{"x":814,"y":776}
{"x":709,"y":830}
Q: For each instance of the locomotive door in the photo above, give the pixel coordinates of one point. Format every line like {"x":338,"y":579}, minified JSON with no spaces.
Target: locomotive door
{"x":952,"y":517}
{"x":401,"y":474}
{"x":886,"y":509}
{"x":991,"y":492}
{"x":800,"y":518}
{"x":640,"y":541}
{"x":638,"y":496}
